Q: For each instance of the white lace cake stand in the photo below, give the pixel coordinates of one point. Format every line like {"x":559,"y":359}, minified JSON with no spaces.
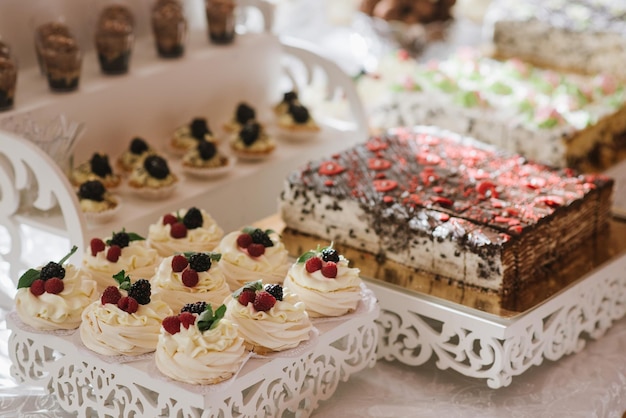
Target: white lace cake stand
{"x":414,"y":328}
{"x":290,"y":386}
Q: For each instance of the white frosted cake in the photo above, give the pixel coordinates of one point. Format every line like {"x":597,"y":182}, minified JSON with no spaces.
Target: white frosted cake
{"x":554,"y":118}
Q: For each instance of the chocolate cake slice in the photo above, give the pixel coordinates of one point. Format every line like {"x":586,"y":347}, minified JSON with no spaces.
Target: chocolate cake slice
{"x":448,"y":205}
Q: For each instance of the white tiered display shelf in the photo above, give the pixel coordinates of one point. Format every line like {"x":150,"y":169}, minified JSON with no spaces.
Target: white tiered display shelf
{"x":151,"y":101}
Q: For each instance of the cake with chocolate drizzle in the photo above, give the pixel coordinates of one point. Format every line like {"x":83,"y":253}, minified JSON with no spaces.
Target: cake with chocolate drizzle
{"x":448,"y":205}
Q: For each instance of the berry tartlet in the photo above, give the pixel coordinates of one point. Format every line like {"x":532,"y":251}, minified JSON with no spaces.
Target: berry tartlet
{"x":96,"y":202}
{"x":190,"y":229}
{"x":189,"y":135}
{"x":54,"y":296}
{"x":97,"y":168}
{"x":136,"y":152}
{"x":193,"y":276}
{"x":153,"y":179}
{"x":325,"y":283}
{"x":122,"y":251}
{"x":243,"y":114}
{"x":297,"y":123}
{"x":252,"y":142}
{"x":252,"y":254}
{"x":205,"y":160}
{"x":125,"y":321}
{"x":270,"y":318}
{"x":199,"y":346}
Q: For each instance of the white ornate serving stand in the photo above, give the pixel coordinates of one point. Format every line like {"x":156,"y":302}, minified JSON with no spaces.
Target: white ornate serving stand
{"x":87,"y":385}
{"x":416,"y":328}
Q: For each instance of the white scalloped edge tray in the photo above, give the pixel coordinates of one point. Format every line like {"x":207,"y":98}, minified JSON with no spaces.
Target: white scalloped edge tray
{"x":417,"y":328}
{"x":279,"y":386}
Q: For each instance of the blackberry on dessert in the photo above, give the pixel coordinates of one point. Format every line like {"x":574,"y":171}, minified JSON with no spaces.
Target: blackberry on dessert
{"x":137,"y":150}
{"x":96,"y":168}
{"x":243,"y":114}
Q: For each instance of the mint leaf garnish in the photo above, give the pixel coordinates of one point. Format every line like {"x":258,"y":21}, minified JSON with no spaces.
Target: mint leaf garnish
{"x":256,"y":286}
{"x":122,"y":279}
{"x":208,"y":319}
{"x":27,"y":279}
{"x":304,"y":257}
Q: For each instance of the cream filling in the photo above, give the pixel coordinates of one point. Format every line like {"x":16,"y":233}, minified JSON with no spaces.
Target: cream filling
{"x":109,"y":331}
{"x":196,"y":357}
{"x":168,"y":286}
{"x":61,"y":311}
{"x":284,"y":326}
{"x":202,"y":239}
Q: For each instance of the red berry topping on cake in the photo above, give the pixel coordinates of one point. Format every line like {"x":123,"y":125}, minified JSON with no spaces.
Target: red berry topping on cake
{"x":96,"y":245}
{"x":169,"y":219}
{"x":313,"y":264}
{"x":187,"y":319}
{"x":190,"y":277}
{"x":179,"y":263}
{"x":128,"y":304}
{"x":178,"y":230}
{"x":171,"y":324}
{"x":330,"y":168}
{"x":330,"y":270}
{"x":244,"y":240}
{"x":246,"y":296}
{"x":256,"y":250}
{"x":385,"y":185}
{"x":54,"y":285}
{"x":264,"y":301}
{"x":487,"y":188}
{"x":114,"y":252}
{"x":111,"y":295}
{"x":37,"y":288}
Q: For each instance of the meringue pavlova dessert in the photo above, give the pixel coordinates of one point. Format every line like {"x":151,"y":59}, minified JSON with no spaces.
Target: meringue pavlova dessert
{"x":125,"y":321}
{"x":253,"y":254}
{"x":189,"y":277}
{"x":199,"y":346}
{"x":53,"y":297}
{"x":122,"y":251}
{"x":325,"y":283}
{"x":190,"y":229}
{"x":270,"y":318}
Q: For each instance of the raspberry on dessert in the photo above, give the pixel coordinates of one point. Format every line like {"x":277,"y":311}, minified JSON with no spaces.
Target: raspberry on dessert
{"x":330,"y":254}
{"x":330,"y":270}
{"x":140,"y":291}
{"x":275,"y":290}
{"x":264,"y":301}
{"x":313,"y":264}
{"x":187,"y":319}
{"x":128,"y":304}
{"x":256,"y":250}
{"x":190,"y":277}
{"x":96,"y":245}
{"x":169,"y":219}
{"x":114,"y":252}
{"x":54,"y":286}
{"x":246,"y":296}
{"x":193,"y":218}
{"x":178,"y":230}
{"x":171,"y":324}
{"x":244,"y":240}
{"x":200,"y":262}
{"x":197,"y":307}
{"x":37,"y":288}
{"x":51,"y":270}
{"x":179,"y":263}
{"x":111,"y":295}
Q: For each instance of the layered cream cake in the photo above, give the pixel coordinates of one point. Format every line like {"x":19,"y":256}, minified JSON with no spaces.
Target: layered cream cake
{"x":555,"y":118}
{"x":53,"y":297}
{"x":448,"y":205}
{"x":325,"y":282}
{"x":187,"y":229}
{"x":186,"y":278}
{"x":253,"y":254}
{"x":270,"y":318}
{"x":587,"y":36}
{"x":200,"y":348}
